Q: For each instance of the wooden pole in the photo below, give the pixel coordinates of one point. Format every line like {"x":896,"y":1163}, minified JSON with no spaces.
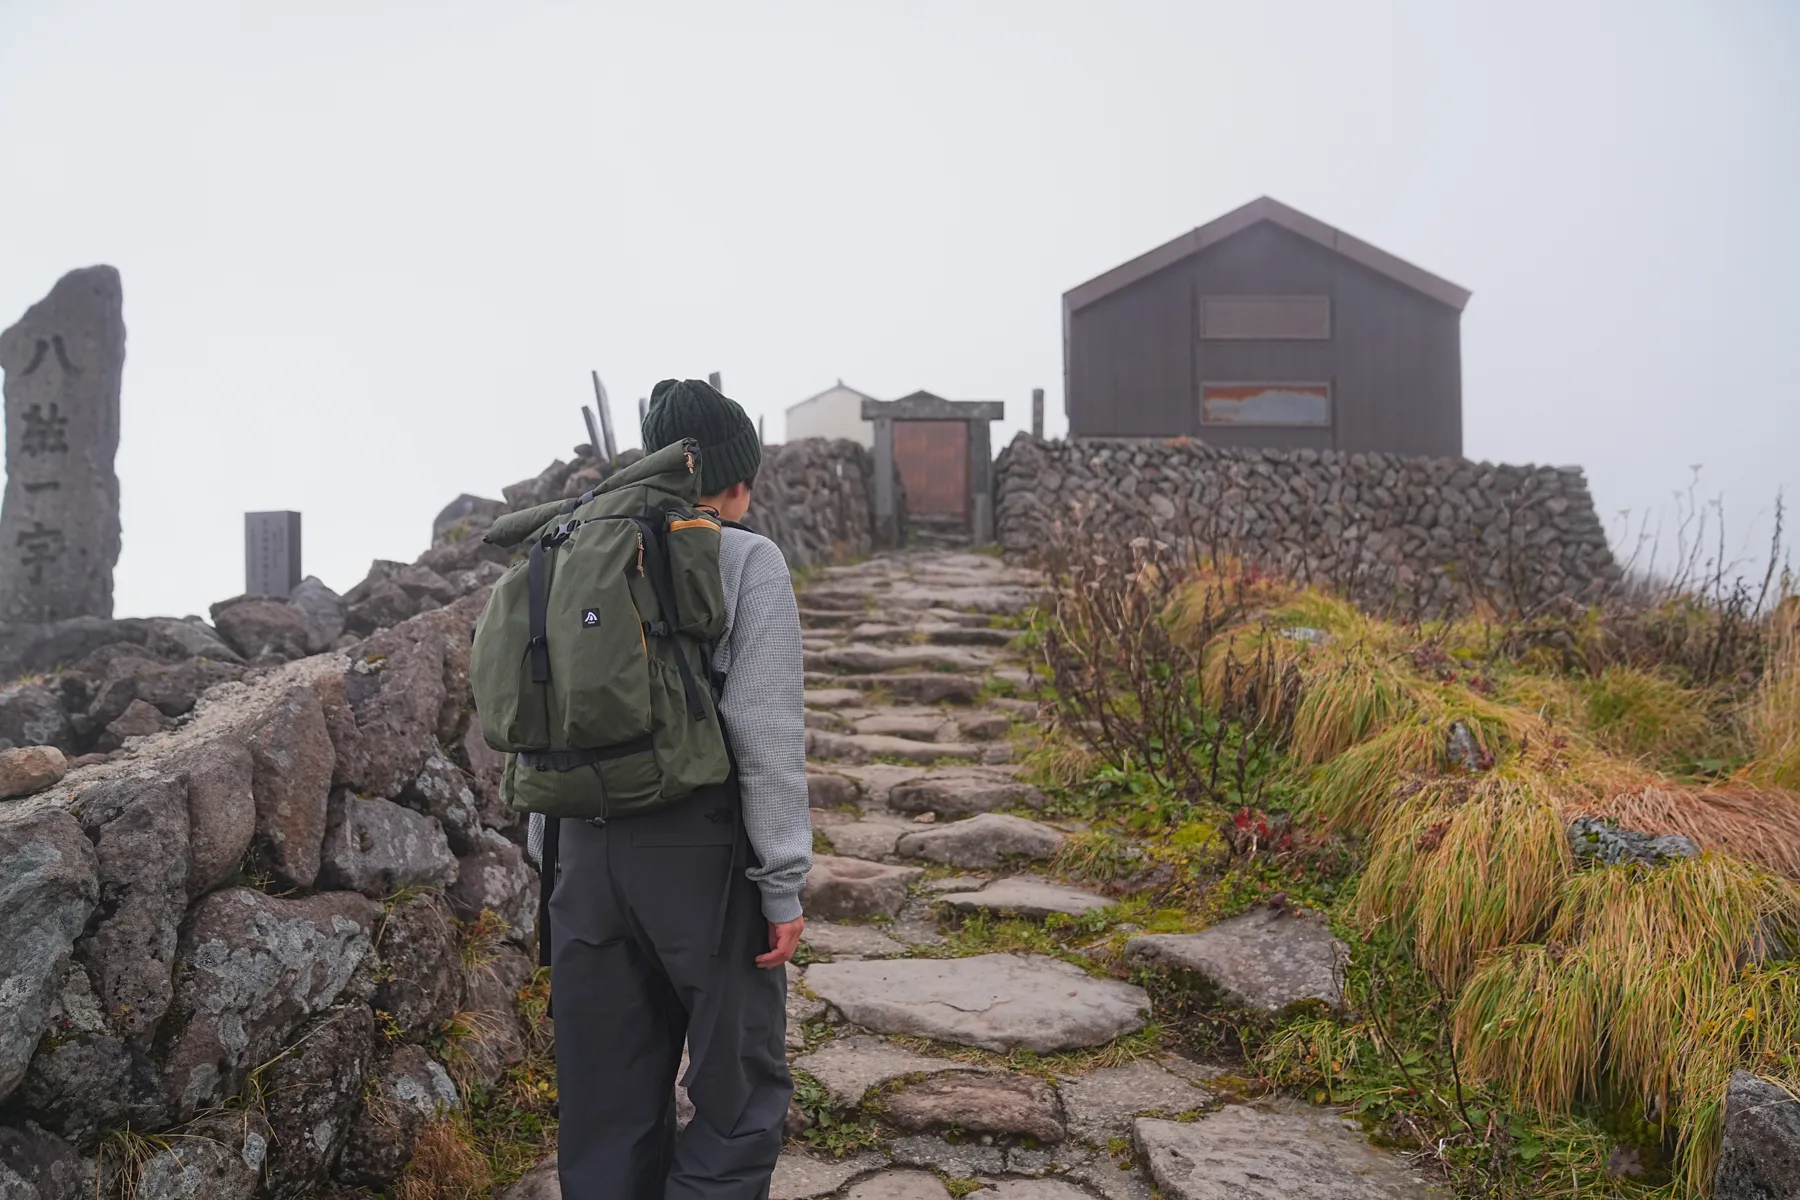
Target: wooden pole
{"x":1037,"y":412}
{"x":606,"y":429}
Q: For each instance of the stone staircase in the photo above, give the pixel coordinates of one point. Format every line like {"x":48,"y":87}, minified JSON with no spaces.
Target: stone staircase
{"x":990,"y":1075}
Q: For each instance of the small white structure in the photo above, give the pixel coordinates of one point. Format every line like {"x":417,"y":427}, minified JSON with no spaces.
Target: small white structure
{"x":835,"y":412}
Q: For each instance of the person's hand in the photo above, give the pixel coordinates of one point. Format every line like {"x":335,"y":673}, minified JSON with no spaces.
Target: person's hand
{"x":784,"y":939}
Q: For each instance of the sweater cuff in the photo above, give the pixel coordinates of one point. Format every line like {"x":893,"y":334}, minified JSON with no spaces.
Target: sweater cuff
{"x":780,"y":907}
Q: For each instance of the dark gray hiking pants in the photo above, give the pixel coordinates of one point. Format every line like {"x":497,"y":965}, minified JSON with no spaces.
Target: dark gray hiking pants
{"x":640,"y":906}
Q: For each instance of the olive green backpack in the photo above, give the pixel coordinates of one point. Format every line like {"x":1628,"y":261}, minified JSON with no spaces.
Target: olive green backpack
{"x":592,"y":660}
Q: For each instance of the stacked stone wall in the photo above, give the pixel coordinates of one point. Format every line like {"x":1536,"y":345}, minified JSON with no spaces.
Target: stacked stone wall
{"x":1388,"y":529}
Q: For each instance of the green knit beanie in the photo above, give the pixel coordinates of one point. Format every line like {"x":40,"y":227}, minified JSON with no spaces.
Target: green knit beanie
{"x":730,"y":450}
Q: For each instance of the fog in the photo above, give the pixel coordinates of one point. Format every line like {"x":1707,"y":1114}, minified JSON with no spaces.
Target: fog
{"x":371,"y":251}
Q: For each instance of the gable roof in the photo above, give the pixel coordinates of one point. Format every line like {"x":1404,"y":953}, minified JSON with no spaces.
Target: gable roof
{"x":1263,"y":208}
{"x":839,"y":387}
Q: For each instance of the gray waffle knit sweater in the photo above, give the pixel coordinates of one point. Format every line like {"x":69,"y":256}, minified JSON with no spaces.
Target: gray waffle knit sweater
{"x":764,"y":712}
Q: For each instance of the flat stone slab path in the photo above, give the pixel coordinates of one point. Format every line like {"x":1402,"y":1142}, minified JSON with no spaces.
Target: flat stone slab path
{"x":918,"y":701}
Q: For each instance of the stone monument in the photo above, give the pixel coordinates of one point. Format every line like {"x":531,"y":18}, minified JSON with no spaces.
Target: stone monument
{"x":59,"y":527}
{"x":271,"y":553}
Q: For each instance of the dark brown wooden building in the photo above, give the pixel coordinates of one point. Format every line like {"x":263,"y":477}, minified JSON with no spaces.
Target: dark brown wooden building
{"x":1268,"y":328}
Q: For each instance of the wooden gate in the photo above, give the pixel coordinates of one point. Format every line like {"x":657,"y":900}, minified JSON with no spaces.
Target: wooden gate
{"x":932,"y":458}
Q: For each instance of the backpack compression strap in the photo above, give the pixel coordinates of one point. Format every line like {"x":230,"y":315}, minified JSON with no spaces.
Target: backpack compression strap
{"x":661,"y":576}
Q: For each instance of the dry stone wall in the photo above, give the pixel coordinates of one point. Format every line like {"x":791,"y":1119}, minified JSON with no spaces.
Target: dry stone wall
{"x":1419,"y":533}
{"x":815,"y":498}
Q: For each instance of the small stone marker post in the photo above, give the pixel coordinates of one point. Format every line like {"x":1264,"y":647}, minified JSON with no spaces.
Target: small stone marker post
{"x":1037,"y":413}
{"x":271,"y":553}
{"x":714,"y":380}
{"x":59,"y":528}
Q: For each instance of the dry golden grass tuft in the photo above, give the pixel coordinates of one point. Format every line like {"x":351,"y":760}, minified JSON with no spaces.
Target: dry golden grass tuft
{"x":446,"y":1164}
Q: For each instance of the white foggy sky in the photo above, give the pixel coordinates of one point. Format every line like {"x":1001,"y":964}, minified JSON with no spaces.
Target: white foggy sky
{"x":371,"y":250}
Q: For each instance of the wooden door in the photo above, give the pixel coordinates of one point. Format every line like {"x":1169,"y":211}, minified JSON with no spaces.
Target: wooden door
{"x":932,"y":458}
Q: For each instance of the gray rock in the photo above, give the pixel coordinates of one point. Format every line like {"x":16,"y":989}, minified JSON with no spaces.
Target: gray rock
{"x":801,"y":1009}
{"x":31,"y":715}
{"x":497,"y":879}
{"x":539,"y":1183}
{"x":321,"y":611}
{"x":373,"y":607}
{"x":850,"y":941}
{"x":839,"y":888}
{"x":88,"y":1077}
{"x":218,"y":1158}
{"x":932,"y":688}
{"x":958,"y":1160}
{"x":962,"y":792}
{"x":825,"y":789}
{"x":484,"y":767}
{"x":899,"y":1185}
{"x":984,"y":1102}
{"x":262,"y":628}
{"x":139,"y":720}
{"x":292,"y":758}
{"x":466,"y":517}
{"x":139,"y":827}
{"x":405,"y":1093}
{"x":851,"y":1067}
{"x":833,"y":698}
{"x":800,"y":1176}
{"x":1293,"y":1153}
{"x":1101,"y":1104}
{"x":1266,"y":959}
{"x":490,"y":1038}
{"x":443,"y":792}
{"x":1031,"y":1189}
{"x":1600,"y":841}
{"x":252,"y":969}
{"x":1026,"y":896}
{"x":35,"y":1165}
{"x":919,"y":726}
{"x":995,"y":1002}
{"x":1759,"y":1158}
{"x":421,"y":977}
{"x":874,"y":837}
{"x":376,"y":847}
{"x":311,"y":1096}
{"x":861,"y":748}
{"x":41,"y":649}
{"x":59,"y":528}
{"x":28,"y":769}
{"x":988,"y":840}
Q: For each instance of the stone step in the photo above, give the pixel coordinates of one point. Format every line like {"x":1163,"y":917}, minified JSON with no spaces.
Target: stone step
{"x":852,"y":1067}
{"x":1266,"y":959}
{"x":962,"y":792}
{"x":989,"y":840}
{"x":982,"y":598}
{"x":934,"y":633}
{"x":918,"y":725}
{"x":836,"y":599}
{"x":1276,"y":1151}
{"x":910,"y":688}
{"x":997,"y":1002}
{"x":983,"y":1102}
{"x":862,"y":658}
{"x":849,"y":941}
{"x":874,"y":837}
{"x":834,"y":697}
{"x":800,"y":1176}
{"x":861,"y":748}
{"x":841,"y":888}
{"x":1026,"y":896}
{"x":825,"y":618}
{"x":828,"y":789}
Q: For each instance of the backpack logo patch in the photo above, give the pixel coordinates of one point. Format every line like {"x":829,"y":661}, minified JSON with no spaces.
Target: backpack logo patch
{"x":720,"y":816}
{"x":590,"y":618}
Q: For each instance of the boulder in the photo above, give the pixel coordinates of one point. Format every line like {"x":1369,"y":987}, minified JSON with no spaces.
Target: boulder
{"x":221,"y":806}
{"x":35,"y":1165}
{"x":497,"y":879}
{"x":31,"y":714}
{"x":311,"y":1095}
{"x":963,"y":792}
{"x":28,"y":769}
{"x":491,"y":1038}
{"x":261,"y":627}
{"x":105,"y":684}
{"x":405,"y":695}
{"x":293,"y":758}
{"x":139,"y":827}
{"x":321,"y":610}
{"x":1759,"y":1157}
{"x":253,"y":969}
{"x":377,"y":847}
{"x":1286,"y":1152}
{"x":826,"y":789}
{"x":420,"y":980}
{"x":88,"y":1077}
{"x":839,"y":888}
{"x":49,"y":884}
{"x":1026,"y":896}
{"x":442,"y":791}
{"x":139,"y":720}
{"x":484,"y":766}
{"x":383,"y":605}
{"x":539,"y":1183}
{"x":219,"y":1157}
{"x":995,"y":1002}
{"x":41,"y":649}
{"x":466,"y":517}
{"x":984,"y":1102}
{"x":850,"y":1068}
{"x":1266,"y":959}
{"x":984,"y":841}
{"x":406,"y":1091}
